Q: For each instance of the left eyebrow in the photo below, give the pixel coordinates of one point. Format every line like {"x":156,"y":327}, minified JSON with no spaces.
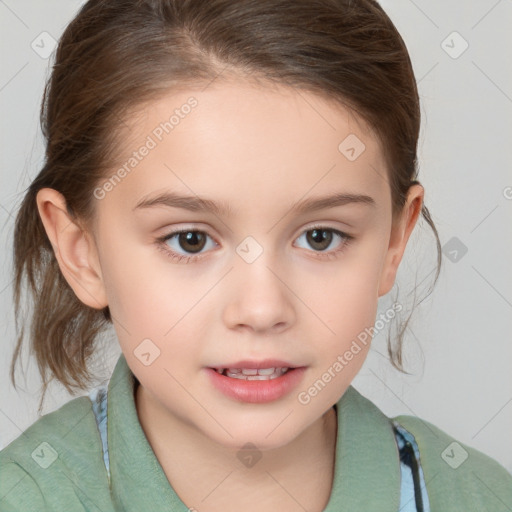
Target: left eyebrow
{"x":200,"y":204}
{"x":191,"y":203}
{"x":331,"y":201}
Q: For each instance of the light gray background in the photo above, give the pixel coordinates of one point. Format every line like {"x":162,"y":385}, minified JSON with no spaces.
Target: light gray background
{"x":458,"y":347}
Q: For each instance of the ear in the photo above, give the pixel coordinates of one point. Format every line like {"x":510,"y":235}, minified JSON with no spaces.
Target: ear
{"x":400,"y":233}
{"x":74,"y":249}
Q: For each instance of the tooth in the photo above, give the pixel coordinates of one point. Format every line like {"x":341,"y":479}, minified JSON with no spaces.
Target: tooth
{"x":240,"y":375}
{"x":249,"y":371}
{"x":234,"y":370}
{"x":266,"y":371}
{"x":233,"y":374}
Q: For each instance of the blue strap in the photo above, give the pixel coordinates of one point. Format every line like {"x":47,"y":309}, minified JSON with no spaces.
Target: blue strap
{"x":98,"y":398}
{"x":413,"y":494}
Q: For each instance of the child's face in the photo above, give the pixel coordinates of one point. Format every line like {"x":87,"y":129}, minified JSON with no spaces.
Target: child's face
{"x":260,"y":286}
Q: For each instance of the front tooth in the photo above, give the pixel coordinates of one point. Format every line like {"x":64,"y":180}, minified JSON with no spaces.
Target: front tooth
{"x":249,"y":371}
{"x":274,"y":375}
{"x":266,"y":371}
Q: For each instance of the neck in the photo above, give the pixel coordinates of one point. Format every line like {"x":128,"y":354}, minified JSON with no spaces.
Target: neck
{"x":205,"y":474}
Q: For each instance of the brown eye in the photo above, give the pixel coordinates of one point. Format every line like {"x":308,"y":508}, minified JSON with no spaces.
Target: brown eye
{"x":185,"y":245}
{"x":191,"y":241}
{"x":319,"y":239}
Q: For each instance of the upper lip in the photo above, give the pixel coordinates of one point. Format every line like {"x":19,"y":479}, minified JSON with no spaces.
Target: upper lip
{"x":266,"y":363}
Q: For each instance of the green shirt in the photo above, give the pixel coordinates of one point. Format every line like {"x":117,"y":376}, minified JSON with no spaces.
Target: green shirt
{"x":57,"y":463}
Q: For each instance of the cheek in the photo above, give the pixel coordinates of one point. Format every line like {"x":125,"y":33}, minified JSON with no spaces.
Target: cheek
{"x":151,"y":298}
{"x":345,"y":304}
{"x":344,"y":294}
{"x":137,"y":292}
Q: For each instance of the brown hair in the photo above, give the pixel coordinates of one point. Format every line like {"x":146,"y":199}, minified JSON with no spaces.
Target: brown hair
{"x":116,"y":55}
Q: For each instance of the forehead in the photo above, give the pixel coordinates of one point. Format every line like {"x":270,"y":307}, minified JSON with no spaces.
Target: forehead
{"x":247,"y":145}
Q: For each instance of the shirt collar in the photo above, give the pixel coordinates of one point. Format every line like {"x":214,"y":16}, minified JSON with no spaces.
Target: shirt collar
{"x":366,"y":472}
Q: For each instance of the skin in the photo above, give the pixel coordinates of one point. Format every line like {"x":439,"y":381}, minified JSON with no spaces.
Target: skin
{"x":258,"y":149}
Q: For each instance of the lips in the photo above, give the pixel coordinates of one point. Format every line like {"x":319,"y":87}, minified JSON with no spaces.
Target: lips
{"x":256,"y":388}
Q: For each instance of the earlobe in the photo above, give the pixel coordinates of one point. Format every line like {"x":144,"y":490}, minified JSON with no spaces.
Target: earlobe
{"x":74,"y":249}
{"x":400,"y":234}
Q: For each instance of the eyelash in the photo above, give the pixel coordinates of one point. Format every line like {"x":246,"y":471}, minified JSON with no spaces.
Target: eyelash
{"x":333,"y":254}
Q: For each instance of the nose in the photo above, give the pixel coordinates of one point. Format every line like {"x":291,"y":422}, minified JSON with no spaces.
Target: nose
{"x":258,"y":297}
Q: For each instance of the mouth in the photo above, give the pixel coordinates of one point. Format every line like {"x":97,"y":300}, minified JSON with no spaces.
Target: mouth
{"x":256,"y":382}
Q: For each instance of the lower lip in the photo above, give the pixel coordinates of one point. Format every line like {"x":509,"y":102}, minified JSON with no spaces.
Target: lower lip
{"x":257,"y":391}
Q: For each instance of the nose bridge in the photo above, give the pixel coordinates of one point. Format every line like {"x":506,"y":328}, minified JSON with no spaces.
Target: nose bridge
{"x":251,"y":250}
{"x":256,"y":264}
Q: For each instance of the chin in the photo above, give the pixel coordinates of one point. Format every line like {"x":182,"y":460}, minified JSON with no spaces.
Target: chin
{"x":263,"y":435}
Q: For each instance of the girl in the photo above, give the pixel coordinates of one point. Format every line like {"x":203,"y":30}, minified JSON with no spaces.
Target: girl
{"x":169,"y":123}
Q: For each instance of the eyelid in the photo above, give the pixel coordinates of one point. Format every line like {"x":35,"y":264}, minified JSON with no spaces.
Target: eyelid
{"x":202,"y":228}
{"x":326,"y":225}
{"x":207,"y":229}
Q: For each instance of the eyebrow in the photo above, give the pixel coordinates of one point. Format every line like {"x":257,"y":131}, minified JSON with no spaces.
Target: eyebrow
{"x":199,"y":204}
